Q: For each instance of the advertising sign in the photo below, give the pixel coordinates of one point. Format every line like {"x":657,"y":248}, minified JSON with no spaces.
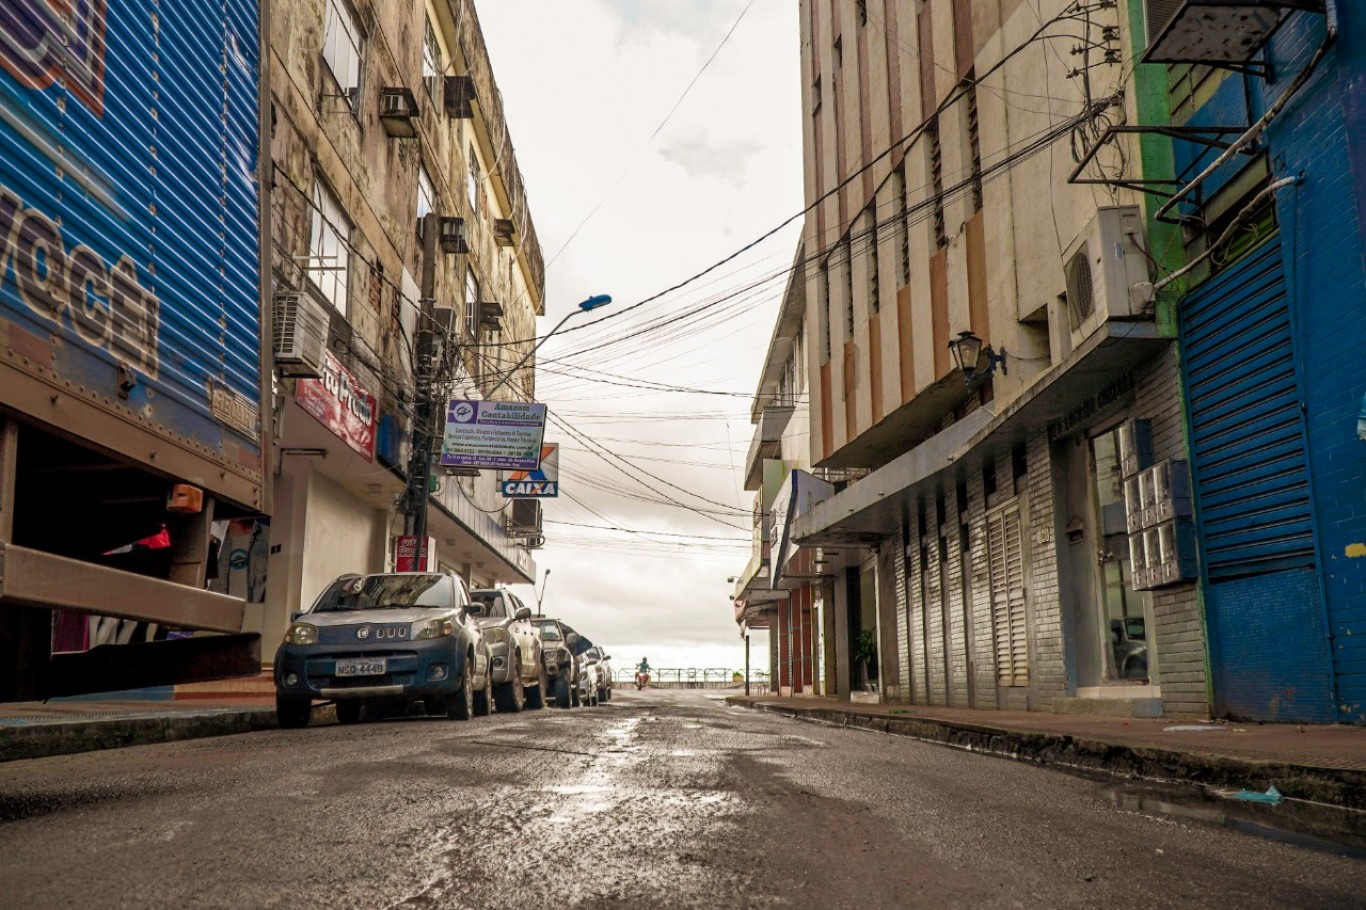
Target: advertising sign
{"x":799,"y":492}
{"x":341,"y":404}
{"x":542,"y":483}
{"x":409,"y":557}
{"x":493,"y":434}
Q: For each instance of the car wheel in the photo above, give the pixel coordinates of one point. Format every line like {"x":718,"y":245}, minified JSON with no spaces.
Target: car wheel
{"x":461,"y":705}
{"x":562,"y":694}
{"x":535,"y":696}
{"x":348,"y":712}
{"x":483,"y":701}
{"x":509,"y":694}
{"x":602,"y":695}
{"x":575,"y":699}
{"x":292,"y":712}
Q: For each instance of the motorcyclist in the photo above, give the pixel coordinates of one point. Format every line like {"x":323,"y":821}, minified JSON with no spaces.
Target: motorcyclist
{"x":642,"y":672}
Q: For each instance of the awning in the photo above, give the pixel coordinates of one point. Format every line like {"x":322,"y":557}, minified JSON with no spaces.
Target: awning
{"x":798,"y":495}
{"x":876,"y":506}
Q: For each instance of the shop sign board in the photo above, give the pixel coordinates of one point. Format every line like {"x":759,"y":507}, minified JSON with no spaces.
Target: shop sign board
{"x":542,"y":483}
{"x":798,"y":494}
{"x":493,"y":434}
{"x":341,"y":403}
{"x":409,"y":556}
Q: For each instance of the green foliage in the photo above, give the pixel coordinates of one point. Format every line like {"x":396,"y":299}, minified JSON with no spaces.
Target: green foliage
{"x":865,"y":648}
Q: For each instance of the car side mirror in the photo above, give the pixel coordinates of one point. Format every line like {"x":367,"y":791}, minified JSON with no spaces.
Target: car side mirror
{"x":294,"y":617}
{"x":523,"y":613}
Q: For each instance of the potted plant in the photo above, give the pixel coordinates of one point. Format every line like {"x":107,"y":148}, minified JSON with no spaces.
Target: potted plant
{"x":865,"y":656}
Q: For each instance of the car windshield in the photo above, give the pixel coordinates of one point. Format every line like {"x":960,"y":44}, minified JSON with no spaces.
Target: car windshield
{"x":549,"y":631}
{"x":482,"y":603}
{"x":386,"y":592}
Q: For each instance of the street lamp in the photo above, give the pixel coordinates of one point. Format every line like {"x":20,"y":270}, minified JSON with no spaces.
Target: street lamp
{"x":592,"y":303}
{"x":540,"y":597}
{"x":968,"y":350}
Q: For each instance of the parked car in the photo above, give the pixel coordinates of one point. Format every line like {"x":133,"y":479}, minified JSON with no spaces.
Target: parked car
{"x":603,"y":665}
{"x":585,"y":693}
{"x":560,"y":647}
{"x":519,"y":675}
{"x":379,"y":643}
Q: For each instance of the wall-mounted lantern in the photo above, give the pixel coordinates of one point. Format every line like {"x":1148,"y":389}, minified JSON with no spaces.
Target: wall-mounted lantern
{"x":968,"y":352}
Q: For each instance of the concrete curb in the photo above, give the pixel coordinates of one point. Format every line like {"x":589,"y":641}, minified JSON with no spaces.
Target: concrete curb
{"x":1333,"y":786}
{"x":47,"y":738}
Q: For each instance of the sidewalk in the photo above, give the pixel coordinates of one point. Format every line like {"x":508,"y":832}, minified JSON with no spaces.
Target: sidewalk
{"x":40,"y":729}
{"x":1321,"y":763}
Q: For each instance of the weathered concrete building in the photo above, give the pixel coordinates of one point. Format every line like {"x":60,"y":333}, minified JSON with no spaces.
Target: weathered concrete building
{"x":383,"y":113}
{"x":988,"y":370}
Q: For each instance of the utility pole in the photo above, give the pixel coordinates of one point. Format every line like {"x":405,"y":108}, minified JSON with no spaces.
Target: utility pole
{"x":424,"y":408}
{"x":747,"y":661}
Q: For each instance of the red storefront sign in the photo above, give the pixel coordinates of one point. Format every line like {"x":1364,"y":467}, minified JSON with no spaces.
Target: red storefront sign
{"x":341,"y":404}
{"x":408,"y":556}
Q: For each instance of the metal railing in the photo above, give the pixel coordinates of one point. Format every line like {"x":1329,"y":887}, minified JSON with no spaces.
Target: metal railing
{"x":695,"y":678}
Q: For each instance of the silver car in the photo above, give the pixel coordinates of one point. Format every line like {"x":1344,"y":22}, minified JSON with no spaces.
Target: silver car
{"x":519,"y":675}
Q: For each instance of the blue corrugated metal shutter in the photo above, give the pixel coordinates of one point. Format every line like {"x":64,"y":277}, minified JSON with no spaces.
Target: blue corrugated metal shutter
{"x":1268,"y":652}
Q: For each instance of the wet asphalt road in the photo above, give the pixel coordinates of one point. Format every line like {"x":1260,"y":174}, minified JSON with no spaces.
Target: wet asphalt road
{"x":655,"y":800}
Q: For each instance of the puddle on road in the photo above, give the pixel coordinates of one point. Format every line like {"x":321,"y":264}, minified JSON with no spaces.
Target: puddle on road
{"x":1313,"y":826}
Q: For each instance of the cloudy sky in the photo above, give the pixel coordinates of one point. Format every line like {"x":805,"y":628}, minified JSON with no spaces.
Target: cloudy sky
{"x":632,"y":193}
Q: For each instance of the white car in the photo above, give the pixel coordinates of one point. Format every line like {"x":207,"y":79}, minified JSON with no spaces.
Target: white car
{"x":519,"y":675}
{"x":595,"y":677}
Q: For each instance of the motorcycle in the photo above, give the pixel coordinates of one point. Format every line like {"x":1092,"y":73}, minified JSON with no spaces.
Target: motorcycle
{"x":642,"y":680}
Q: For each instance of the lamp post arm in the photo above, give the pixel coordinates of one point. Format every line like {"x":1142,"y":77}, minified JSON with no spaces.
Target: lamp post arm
{"x":527,"y":356}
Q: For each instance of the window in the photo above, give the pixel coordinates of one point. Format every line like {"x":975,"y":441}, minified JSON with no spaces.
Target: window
{"x":839,"y":51}
{"x":471,"y":301}
{"x":343,"y":48}
{"x":848,"y":270}
{"x":874,"y":277}
{"x":431,"y":64}
{"x":426,"y":195}
{"x":903,"y":235}
{"x":823,"y":291}
{"x":816,"y":97}
{"x":941,"y":237}
{"x":861,"y":6}
{"x":329,"y":247}
{"x":974,"y":145}
{"x":476,"y":182}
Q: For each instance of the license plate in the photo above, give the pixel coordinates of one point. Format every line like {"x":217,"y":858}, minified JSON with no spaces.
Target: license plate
{"x":368,"y":666}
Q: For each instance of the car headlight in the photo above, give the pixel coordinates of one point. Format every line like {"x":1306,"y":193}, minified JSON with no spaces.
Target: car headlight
{"x":433,"y":628}
{"x":301,"y":633}
{"x":496,"y":636}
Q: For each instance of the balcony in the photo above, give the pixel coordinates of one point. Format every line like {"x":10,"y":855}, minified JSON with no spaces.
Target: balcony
{"x":768,"y":435}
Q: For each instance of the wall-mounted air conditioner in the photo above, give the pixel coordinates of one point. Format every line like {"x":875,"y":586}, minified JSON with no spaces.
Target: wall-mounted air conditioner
{"x":398,"y":112}
{"x":1106,"y":271}
{"x":301,"y":330}
{"x":504,"y":231}
{"x":459,"y":97}
{"x":524,"y":518}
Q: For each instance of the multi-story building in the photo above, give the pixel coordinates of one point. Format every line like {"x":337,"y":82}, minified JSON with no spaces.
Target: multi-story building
{"x":383,"y":113}
{"x":984,"y":347}
{"x":778,"y":458}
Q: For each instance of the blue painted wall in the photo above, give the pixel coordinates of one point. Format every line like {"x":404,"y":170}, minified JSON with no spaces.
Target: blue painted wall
{"x":1321,"y":136}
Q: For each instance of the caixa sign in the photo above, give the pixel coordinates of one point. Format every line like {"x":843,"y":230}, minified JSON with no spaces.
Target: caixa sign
{"x":73,"y":287}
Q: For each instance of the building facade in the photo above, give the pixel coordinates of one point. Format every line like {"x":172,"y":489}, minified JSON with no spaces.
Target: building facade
{"x":382,"y":114}
{"x":975,"y":548}
{"x":1270,"y":217}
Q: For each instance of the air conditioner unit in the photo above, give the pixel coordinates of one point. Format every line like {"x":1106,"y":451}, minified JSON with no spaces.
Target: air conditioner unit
{"x":504,"y":231}
{"x":301,"y":329}
{"x":491,"y":316}
{"x":524,"y":518}
{"x":397,"y":112}
{"x":1103,"y":267}
{"x":459,"y":97}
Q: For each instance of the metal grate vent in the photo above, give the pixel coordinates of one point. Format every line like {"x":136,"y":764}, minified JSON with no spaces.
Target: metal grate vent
{"x":1081,"y":295}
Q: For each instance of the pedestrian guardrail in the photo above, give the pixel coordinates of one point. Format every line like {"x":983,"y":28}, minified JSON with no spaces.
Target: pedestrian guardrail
{"x":697,"y":678}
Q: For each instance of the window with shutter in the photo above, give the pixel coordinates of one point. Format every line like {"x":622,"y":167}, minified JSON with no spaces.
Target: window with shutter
{"x":1005,"y":553}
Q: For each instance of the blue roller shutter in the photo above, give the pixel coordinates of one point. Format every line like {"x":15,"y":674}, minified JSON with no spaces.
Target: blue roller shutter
{"x":1268,"y":652}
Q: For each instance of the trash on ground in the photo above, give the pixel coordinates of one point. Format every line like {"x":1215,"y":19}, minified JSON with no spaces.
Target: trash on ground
{"x":1272,"y":796}
{"x":1191,"y":728}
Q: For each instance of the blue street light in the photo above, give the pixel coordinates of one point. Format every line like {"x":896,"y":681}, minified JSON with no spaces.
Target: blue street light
{"x":592,"y":303}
